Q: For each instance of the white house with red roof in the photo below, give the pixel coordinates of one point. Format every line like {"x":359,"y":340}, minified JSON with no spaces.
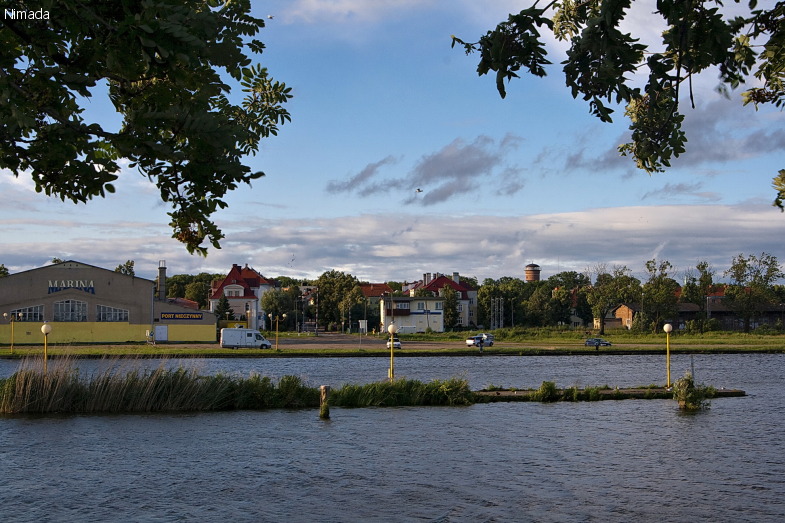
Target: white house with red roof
{"x":243,"y":288}
{"x":467,"y":295}
{"x":433,"y":285}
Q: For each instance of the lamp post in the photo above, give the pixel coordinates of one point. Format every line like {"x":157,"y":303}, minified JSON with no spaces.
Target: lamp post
{"x":668,"y":328}
{"x":282,"y":317}
{"x":392,"y":329}
{"x":11,"y":319}
{"x":45,"y":329}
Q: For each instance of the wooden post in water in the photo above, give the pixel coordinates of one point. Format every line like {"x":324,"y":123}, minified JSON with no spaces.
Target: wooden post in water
{"x":324,"y":402}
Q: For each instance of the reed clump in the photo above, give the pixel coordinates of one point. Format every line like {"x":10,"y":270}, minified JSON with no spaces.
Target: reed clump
{"x":403,"y":392}
{"x":64,"y":390}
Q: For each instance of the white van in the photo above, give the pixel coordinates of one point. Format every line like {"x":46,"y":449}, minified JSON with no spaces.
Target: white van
{"x":244,"y":338}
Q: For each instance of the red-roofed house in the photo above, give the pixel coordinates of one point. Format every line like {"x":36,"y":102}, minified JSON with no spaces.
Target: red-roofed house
{"x":467,"y":295}
{"x":244,"y":288}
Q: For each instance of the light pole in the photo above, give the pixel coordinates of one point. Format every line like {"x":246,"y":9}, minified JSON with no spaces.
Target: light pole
{"x":11,"y":319}
{"x":45,"y":329}
{"x":392,"y":329}
{"x":276,"y":325}
{"x":668,"y":328}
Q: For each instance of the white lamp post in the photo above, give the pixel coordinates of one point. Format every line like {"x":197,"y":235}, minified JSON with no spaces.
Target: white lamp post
{"x":668,"y":328}
{"x":392,"y":329}
{"x":45,"y":329}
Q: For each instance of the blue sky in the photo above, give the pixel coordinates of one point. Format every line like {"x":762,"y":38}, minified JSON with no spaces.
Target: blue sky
{"x":382,"y":107}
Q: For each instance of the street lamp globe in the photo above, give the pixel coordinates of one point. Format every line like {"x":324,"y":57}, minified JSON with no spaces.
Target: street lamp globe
{"x":392,"y":329}
{"x":667,"y":328}
{"x":46,"y":329}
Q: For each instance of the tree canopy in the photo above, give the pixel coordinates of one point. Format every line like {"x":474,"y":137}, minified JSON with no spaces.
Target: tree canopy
{"x":601,"y":62}
{"x":164,"y":67}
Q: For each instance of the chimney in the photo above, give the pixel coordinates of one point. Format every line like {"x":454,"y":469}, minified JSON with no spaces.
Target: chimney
{"x":456,"y":277}
{"x":162,"y":280}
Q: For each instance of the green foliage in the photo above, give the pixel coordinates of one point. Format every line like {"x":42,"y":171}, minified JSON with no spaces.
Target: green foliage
{"x":162,"y":63}
{"x":601,"y":61}
{"x":611,"y":289}
{"x":126,"y":268}
{"x":450,"y":307}
{"x":692,"y":397}
{"x":403,"y":392}
{"x":3,"y":271}
{"x":64,"y":390}
{"x":547,"y":393}
{"x":223,"y":311}
{"x":752,"y":284}
{"x":334,"y":286}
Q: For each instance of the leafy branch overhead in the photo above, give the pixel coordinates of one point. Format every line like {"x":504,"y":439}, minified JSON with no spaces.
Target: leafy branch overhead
{"x":602,"y":59}
{"x":164,"y":63}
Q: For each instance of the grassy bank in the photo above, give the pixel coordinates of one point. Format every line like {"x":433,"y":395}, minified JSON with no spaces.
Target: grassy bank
{"x":509,"y":342}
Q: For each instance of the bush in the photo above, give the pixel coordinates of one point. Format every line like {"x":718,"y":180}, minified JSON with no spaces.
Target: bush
{"x":690,"y":396}
{"x":547,"y":393}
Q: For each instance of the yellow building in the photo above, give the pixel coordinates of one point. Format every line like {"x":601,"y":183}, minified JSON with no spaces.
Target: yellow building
{"x":88,"y":304}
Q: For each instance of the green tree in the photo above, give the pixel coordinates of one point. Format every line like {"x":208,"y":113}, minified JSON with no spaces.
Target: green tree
{"x":450,"y":310}
{"x":510,"y":292}
{"x":3,"y":271}
{"x":224,"y":311}
{"x":609,"y":290}
{"x":697,"y":289}
{"x":349,"y":303}
{"x":661,"y":294}
{"x":198,"y":291}
{"x":700,"y":36}
{"x":752,"y":285}
{"x":126,"y":268}
{"x":275,"y":302}
{"x":165,"y":65}
{"x":333,"y":286}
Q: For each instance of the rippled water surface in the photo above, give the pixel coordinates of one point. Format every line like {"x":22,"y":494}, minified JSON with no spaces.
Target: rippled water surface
{"x":633,"y":460}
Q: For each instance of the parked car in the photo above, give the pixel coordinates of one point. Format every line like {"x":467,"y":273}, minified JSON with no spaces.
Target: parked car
{"x":396,"y":343}
{"x":474,"y":341}
{"x":593,"y":342}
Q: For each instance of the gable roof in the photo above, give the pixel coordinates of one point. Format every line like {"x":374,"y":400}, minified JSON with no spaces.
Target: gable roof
{"x":442,"y":281}
{"x":375,"y":290}
{"x":246,"y":277}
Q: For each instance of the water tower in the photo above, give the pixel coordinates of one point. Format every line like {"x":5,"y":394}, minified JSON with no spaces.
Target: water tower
{"x":532,"y":272}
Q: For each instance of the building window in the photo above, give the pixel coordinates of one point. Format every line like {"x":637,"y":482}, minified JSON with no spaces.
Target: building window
{"x":70,"y":310}
{"x":420,"y":305}
{"x":402,"y":305}
{"x":439,"y":305}
{"x":106,"y":313}
{"x":34,"y":313}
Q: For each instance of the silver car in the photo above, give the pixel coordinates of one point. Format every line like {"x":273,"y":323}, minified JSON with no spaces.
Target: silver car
{"x":474,"y":341}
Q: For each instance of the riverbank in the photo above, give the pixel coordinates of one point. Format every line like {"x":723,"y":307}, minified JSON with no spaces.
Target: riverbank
{"x":343,"y":345}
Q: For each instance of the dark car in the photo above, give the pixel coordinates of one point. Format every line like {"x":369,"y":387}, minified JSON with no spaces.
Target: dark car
{"x":593,"y":342}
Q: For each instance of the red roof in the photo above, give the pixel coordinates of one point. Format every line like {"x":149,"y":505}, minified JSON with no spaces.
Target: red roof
{"x":439,"y":283}
{"x":245,"y":277}
{"x":375,"y":290}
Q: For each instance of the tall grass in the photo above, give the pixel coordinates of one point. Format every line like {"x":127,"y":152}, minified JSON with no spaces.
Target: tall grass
{"x":404,"y":392}
{"x":64,"y":390}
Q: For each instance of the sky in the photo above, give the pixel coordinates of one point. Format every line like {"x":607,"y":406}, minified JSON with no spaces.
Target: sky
{"x":384,"y":107}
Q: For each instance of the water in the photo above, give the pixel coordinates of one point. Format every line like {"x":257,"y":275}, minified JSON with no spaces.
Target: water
{"x":609,"y":461}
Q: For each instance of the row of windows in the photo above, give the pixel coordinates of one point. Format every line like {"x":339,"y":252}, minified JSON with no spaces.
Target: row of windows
{"x":70,"y":310}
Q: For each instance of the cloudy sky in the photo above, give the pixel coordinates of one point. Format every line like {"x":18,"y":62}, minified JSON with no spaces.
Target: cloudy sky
{"x":383,"y":107}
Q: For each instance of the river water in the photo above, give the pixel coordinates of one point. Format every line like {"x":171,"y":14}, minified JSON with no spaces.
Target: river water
{"x":632,"y":460}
